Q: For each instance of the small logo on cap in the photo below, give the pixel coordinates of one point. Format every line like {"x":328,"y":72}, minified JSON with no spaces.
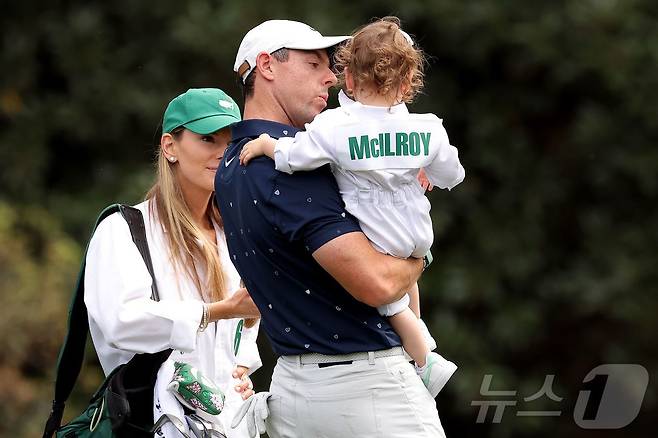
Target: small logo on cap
{"x":225,"y":103}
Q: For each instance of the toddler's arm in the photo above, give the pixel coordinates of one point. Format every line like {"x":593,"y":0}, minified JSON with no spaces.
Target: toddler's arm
{"x":445,"y":171}
{"x":308,"y":150}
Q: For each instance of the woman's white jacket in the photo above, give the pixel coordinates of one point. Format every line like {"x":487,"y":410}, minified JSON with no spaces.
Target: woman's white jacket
{"x":123,"y":320}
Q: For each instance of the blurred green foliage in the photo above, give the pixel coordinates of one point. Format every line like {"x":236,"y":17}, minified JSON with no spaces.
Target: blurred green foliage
{"x":545,"y":256}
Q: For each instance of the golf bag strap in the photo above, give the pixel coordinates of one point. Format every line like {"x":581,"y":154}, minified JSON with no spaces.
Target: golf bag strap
{"x":138,"y":231}
{"x":71,"y":354}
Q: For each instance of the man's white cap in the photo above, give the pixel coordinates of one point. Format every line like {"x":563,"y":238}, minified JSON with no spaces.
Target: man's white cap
{"x":273,"y":35}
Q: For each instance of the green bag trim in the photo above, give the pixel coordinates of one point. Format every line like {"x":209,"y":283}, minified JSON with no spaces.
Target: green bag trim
{"x":238,"y":337}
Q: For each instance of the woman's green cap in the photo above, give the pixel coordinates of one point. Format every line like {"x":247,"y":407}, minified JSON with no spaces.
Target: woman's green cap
{"x":201,"y":110}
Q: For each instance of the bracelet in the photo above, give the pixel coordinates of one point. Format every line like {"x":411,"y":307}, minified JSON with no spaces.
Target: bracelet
{"x":205,"y":318}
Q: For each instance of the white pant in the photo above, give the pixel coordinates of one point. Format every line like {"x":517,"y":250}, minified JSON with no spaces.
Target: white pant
{"x":379,"y":398}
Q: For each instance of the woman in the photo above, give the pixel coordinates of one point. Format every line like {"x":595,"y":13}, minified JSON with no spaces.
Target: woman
{"x":201,"y":301}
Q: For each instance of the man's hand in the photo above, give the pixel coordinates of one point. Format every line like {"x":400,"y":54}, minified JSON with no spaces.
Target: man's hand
{"x":256,"y":411}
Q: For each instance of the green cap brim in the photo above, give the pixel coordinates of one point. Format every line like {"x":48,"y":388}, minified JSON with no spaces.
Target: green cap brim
{"x":211,"y":124}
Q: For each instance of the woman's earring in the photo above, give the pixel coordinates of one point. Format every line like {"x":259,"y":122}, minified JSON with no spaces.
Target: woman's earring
{"x":172,"y":159}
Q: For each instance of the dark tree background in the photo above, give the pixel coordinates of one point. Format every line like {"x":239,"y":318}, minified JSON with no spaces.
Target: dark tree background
{"x":545,"y":257}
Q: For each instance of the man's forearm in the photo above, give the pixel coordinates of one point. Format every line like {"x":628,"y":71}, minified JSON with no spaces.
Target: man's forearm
{"x":403,"y":275}
{"x":368,"y":275}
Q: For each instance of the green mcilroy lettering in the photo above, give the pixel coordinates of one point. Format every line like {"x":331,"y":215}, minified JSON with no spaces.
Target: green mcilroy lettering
{"x":386,"y":144}
{"x":359,"y":149}
{"x":413,"y":143}
{"x":425,"y":137}
{"x":374,"y":149}
{"x":401,"y":143}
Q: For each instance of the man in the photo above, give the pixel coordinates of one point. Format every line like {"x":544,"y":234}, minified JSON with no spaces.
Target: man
{"x":310,"y":270}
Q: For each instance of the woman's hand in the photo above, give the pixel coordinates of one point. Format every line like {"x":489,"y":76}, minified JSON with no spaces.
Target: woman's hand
{"x":242,"y":305}
{"x":238,"y":305}
{"x":245,"y":388}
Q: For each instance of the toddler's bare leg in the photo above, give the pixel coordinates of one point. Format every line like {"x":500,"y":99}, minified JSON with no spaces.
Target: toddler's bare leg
{"x":414,"y":300}
{"x":406,"y":325}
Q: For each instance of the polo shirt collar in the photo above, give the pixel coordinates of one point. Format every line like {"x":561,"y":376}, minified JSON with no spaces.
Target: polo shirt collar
{"x":252,"y":128}
{"x":349,"y":104}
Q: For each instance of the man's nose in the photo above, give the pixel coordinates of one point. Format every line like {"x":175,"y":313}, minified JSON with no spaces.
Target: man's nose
{"x":330,"y":78}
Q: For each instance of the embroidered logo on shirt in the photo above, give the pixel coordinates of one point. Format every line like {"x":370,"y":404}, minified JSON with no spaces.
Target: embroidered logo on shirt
{"x":226,"y":164}
{"x":412,"y":143}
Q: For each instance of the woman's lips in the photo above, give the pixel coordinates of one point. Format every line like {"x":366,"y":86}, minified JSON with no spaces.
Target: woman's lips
{"x":214,"y":168}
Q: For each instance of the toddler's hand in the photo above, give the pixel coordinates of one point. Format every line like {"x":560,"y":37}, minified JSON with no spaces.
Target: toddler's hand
{"x":424,"y":182}
{"x":253,"y":149}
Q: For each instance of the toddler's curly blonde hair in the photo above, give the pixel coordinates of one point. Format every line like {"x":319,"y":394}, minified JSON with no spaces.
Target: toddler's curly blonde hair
{"x":380,"y":58}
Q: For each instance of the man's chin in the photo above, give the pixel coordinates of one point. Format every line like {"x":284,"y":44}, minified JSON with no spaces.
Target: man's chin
{"x":319,"y":109}
{"x":311,"y":115}
{"x":320,"y":104}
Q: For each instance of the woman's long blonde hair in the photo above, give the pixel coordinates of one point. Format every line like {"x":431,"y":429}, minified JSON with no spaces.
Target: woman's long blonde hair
{"x":189,"y":248}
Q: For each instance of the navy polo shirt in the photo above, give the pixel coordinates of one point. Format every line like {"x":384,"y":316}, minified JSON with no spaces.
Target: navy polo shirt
{"x":273,"y":223}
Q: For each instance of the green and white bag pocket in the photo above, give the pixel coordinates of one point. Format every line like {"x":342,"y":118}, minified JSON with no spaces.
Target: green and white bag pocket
{"x":194,"y":390}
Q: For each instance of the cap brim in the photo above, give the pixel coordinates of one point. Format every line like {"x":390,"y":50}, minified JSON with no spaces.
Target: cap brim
{"x":317,"y":43}
{"x":211,"y":124}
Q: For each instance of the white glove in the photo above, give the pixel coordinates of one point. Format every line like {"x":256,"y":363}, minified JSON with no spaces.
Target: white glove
{"x":256,"y":411}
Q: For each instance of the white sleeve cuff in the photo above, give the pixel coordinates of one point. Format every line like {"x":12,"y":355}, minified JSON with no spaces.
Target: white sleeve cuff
{"x":282,"y":154}
{"x":461,"y":174}
{"x":395,"y":307}
{"x":248,"y":355}
{"x":186,"y":328}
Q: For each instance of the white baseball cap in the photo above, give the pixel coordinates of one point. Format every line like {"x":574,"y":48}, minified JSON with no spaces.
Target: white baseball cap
{"x":273,"y":35}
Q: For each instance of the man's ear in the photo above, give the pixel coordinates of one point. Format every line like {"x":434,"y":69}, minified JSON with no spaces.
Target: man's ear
{"x":264,"y":63}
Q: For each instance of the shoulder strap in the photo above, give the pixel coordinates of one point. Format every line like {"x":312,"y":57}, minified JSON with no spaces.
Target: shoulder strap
{"x":71,"y":354}
{"x":138,"y":231}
